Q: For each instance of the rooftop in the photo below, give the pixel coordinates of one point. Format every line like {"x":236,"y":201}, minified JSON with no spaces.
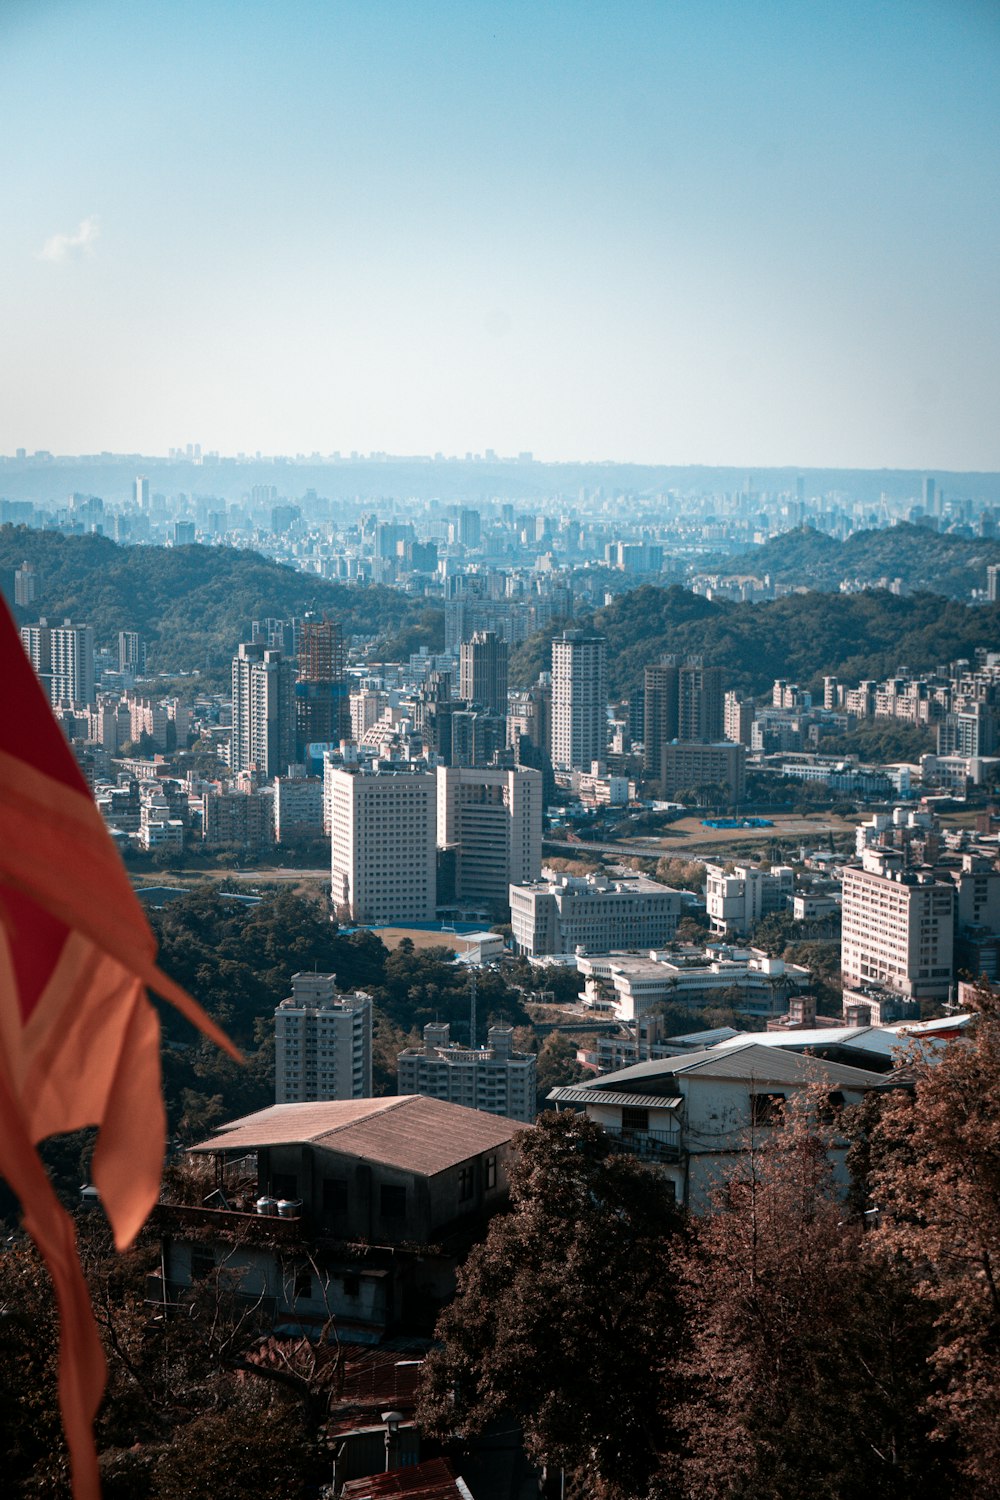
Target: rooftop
{"x":416,"y":1134}
{"x":750,"y":1060}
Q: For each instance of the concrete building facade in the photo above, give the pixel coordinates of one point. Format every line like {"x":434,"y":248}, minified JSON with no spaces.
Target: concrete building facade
{"x":494,"y":1078}
{"x":383,"y":844}
{"x":323,"y":1042}
{"x":561,"y":913}
{"x":898,"y":927}
{"x":493,"y":820}
{"x":579,"y":700}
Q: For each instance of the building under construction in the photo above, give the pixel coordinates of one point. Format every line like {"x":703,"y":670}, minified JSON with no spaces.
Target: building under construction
{"x":322,"y":715}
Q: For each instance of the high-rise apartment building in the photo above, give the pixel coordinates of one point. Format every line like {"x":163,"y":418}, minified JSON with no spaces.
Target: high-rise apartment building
{"x":383,"y":857}
{"x":682,"y":701}
{"x":140,"y":492}
{"x":483,"y":671}
{"x":63,"y":658}
{"x":494,"y":1078}
{"x":493,"y":820}
{"x":131,"y":653}
{"x":579,"y":700}
{"x":898,"y":927}
{"x":323,"y":1042}
{"x":263,"y":711}
{"x":738,"y":718}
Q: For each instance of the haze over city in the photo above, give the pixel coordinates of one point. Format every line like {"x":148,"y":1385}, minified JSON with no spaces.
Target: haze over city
{"x":657,"y":233}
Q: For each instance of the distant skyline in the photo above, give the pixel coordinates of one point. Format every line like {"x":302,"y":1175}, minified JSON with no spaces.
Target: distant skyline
{"x":673,"y":233}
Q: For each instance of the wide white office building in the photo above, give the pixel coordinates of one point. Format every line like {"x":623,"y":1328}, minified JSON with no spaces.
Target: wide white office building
{"x":898,"y":927}
{"x":560,"y":913}
{"x":492,"y":819}
{"x":323,"y":1042}
{"x":383,"y":844}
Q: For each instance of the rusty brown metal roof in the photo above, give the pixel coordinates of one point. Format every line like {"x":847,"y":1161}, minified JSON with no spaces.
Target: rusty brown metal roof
{"x":434,"y":1479}
{"x":412,"y":1132}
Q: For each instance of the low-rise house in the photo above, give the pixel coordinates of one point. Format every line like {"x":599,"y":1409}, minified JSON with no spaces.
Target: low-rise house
{"x":695,"y":1116}
{"x":357,"y":1209}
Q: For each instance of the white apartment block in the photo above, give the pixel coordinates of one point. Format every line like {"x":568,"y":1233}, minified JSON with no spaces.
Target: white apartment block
{"x":737,"y":902}
{"x":560,"y":913}
{"x":323,"y":1042}
{"x":493,"y":820}
{"x":579,"y":700}
{"x":384,"y":857}
{"x":494,"y":1078}
{"x":897,"y":928}
{"x":63,"y":657}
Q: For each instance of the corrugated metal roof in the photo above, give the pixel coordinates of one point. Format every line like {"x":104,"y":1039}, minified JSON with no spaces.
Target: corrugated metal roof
{"x":410,"y":1131}
{"x":747,"y":1060}
{"x":434,"y":1479}
{"x":570,"y":1094}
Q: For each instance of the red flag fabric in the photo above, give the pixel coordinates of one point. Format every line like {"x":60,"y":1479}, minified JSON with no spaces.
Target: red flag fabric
{"x":79,"y":1040}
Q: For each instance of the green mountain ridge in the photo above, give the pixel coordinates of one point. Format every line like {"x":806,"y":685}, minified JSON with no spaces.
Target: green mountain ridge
{"x":923,"y":559}
{"x":801,"y":637}
{"x":193,"y":605}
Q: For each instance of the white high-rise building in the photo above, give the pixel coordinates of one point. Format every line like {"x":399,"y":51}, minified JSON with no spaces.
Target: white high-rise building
{"x":323,"y":1042}
{"x":263,"y":711}
{"x":579,"y":700}
{"x":493,"y":820}
{"x":73,"y":664}
{"x":384,"y":855}
{"x":898,"y":928}
{"x":494,"y":1078}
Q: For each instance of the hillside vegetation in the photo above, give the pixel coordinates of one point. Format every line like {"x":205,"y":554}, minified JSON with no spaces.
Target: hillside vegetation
{"x":193,"y":605}
{"x":949,"y":565}
{"x":800,"y":637}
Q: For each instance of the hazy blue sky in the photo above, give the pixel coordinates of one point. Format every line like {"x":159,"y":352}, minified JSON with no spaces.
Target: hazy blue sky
{"x":689,"y":231}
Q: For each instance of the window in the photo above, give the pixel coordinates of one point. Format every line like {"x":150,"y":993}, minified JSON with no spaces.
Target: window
{"x":491,"y":1172}
{"x":351,"y":1285}
{"x":634,"y":1118}
{"x":334,"y":1196}
{"x":766,"y":1109}
{"x":392,"y":1201}
{"x":283,"y":1184}
{"x":466,"y":1183}
{"x":303,"y":1282}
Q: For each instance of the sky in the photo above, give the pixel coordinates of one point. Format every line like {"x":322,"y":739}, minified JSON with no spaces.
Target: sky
{"x":691,"y":231}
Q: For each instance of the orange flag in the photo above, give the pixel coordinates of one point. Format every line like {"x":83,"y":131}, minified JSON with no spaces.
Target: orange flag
{"x":79,"y":1040}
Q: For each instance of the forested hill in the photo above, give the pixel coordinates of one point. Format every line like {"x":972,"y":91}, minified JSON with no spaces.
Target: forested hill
{"x":950,"y":565}
{"x":800,"y":637}
{"x":193,"y":605}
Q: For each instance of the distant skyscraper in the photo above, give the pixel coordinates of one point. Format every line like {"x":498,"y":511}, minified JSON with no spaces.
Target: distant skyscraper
{"x":929,"y":496}
{"x":263,"y":711}
{"x":483,"y":671}
{"x":140,"y":492}
{"x":469,"y":528}
{"x":579,"y":700}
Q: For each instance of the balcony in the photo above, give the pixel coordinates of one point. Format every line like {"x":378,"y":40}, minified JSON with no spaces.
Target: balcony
{"x":649,"y":1145}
